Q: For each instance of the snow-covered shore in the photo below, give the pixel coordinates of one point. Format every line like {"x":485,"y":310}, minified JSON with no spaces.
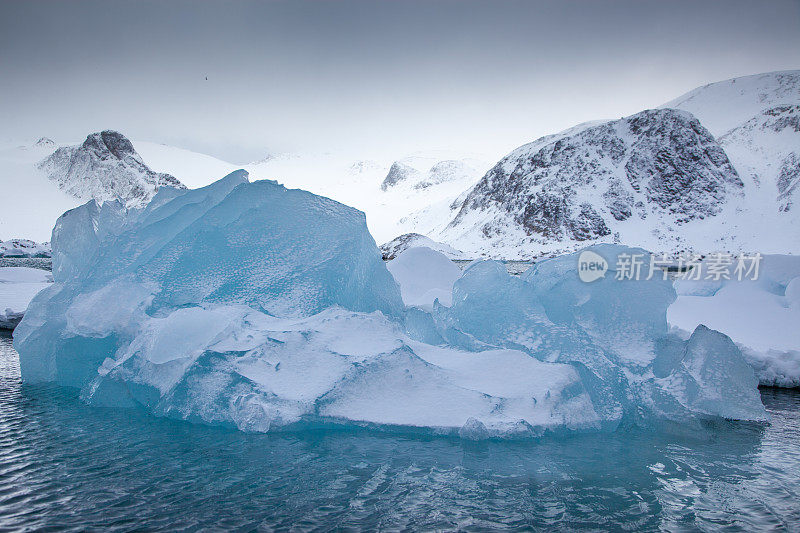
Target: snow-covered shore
{"x":18,"y":286}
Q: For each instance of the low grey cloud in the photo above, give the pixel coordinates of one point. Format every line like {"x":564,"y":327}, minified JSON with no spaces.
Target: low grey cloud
{"x":242,"y":79}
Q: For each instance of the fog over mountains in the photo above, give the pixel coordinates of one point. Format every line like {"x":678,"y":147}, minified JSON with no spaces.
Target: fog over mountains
{"x":715,"y":169}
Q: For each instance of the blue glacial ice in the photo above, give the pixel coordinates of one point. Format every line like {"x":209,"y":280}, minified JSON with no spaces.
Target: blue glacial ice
{"x":613,"y":332}
{"x":262,"y":308}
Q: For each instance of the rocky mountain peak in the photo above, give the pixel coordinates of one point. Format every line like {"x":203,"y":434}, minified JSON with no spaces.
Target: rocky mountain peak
{"x":44,"y":141}
{"x":105,"y":167}
{"x":586,"y":184}
{"x":398,"y":172}
{"x":109,"y":143}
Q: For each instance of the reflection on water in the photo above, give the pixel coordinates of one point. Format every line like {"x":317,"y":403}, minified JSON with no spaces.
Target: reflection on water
{"x":66,"y":465}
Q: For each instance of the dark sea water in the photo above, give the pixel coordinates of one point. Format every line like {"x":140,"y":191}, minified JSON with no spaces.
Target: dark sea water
{"x":64,"y":465}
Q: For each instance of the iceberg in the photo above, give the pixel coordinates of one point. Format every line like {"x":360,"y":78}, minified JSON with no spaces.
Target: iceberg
{"x":283,"y":252}
{"x":613,"y":330}
{"x":760,"y":315}
{"x":253,"y":306}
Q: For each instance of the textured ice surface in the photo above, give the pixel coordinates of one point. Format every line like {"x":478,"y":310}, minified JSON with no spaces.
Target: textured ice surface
{"x":762,"y":316}
{"x":612,"y":331}
{"x":232,"y":365}
{"x":424,"y":275}
{"x":283,"y":252}
{"x":253,"y":306}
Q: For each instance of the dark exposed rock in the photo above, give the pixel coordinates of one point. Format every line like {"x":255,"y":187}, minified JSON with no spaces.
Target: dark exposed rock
{"x":788,"y":181}
{"x":578,"y":184}
{"x":399,"y":244}
{"x":397,"y":173}
{"x":44,"y":141}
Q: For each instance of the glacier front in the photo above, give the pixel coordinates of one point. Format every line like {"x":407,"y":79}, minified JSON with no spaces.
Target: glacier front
{"x":258,"y":307}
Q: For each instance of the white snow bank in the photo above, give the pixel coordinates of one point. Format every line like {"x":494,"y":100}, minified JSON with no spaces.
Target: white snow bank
{"x":761,"y":316}
{"x":424,"y":275}
{"x":18,"y":286}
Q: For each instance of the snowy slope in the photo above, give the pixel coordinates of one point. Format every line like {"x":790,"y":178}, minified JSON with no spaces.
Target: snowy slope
{"x":29,"y":203}
{"x":766,"y":151}
{"x":757,"y":122}
{"x":41,"y":180}
{"x":418,"y":203}
{"x":724,"y":105}
{"x":191,"y":168}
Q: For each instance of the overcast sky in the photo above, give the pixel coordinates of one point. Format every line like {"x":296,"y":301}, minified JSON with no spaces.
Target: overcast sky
{"x":366,"y":76}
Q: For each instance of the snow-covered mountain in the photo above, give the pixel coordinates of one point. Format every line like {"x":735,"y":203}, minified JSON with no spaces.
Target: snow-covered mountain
{"x":716,"y":169}
{"x":29,"y":202}
{"x":658,"y":179}
{"x":453,"y":170}
{"x":656,"y":169}
{"x":757,"y":121}
{"x":400,"y":244}
{"x":41,"y":180}
{"x":105,"y":167}
{"x":24,"y":248}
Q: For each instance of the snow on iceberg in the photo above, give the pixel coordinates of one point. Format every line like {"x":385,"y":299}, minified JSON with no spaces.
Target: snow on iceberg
{"x":424,"y":275}
{"x":243,"y":368}
{"x":253,"y":306}
{"x":762,"y":316}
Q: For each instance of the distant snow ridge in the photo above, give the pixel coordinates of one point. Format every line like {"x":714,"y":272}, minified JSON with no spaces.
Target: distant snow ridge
{"x":398,"y":245}
{"x":445,"y":171}
{"x":44,"y":142}
{"x":105,"y":167}
{"x":24,"y":248}
{"x":595,"y":180}
{"x":398,"y":172}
